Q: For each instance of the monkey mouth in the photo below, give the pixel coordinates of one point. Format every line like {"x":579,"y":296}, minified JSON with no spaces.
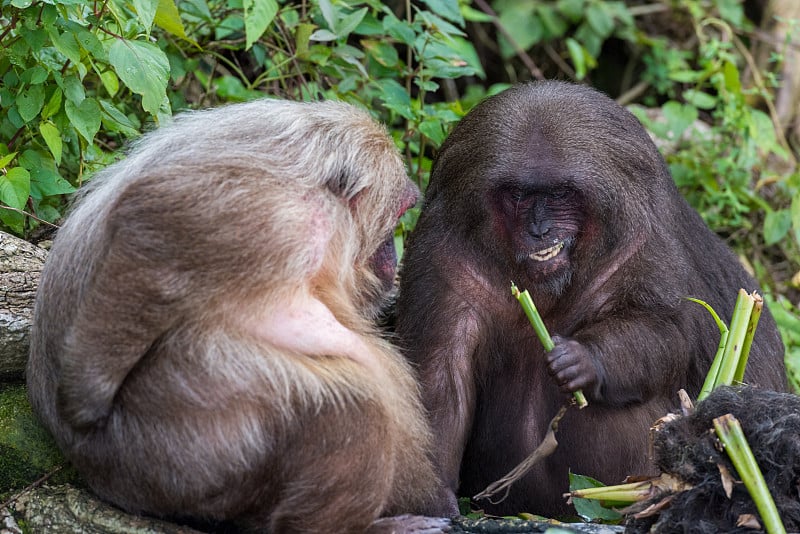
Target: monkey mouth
{"x":547,"y":253}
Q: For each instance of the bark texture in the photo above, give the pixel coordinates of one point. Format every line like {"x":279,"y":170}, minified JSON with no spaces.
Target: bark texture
{"x":20,"y":267}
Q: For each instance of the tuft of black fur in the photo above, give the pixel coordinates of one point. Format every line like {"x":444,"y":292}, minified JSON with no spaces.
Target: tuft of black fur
{"x":687,"y":448}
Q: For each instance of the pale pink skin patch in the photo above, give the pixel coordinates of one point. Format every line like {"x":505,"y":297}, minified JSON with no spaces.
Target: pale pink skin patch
{"x":304,"y":325}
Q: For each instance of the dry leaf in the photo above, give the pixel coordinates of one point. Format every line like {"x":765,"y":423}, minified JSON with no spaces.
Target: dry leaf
{"x":748,"y":521}
{"x":727,"y":479}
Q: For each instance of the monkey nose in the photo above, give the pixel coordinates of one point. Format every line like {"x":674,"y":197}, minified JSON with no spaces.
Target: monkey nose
{"x":539,"y":229}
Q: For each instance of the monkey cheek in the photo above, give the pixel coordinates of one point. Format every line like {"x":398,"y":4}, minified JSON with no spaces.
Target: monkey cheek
{"x":384,"y":264}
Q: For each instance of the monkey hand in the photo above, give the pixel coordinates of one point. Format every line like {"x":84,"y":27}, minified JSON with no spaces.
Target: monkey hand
{"x":572,"y":366}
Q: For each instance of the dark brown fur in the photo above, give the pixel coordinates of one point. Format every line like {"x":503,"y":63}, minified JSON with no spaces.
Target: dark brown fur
{"x":204,"y":343}
{"x":557,"y":164}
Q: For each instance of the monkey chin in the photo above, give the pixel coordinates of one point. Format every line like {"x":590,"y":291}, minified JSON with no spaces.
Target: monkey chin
{"x":549,"y":269}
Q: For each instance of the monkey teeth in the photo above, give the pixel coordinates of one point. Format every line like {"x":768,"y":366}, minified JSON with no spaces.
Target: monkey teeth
{"x":546,"y":254}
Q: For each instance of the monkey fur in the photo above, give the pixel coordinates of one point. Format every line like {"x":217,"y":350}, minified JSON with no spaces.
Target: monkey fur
{"x":204,"y":344}
{"x":557,"y":188}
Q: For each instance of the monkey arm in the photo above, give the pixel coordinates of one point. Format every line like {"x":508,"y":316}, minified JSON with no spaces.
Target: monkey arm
{"x":444,"y":355}
{"x":623,"y":361}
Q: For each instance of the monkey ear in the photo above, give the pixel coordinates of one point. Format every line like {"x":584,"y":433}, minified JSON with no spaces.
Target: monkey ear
{"x":338,"y":184}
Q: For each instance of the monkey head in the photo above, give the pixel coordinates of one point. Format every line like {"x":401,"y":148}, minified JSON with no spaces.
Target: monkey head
{"x":544,"y":196}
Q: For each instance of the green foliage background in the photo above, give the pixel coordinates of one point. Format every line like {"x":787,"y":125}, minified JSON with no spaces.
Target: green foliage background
{"x":79,"y":79}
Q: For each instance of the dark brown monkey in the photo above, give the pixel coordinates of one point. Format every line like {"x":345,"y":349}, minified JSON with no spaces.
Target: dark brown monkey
{"x":556,"y":187}
{"x":204,"y":343}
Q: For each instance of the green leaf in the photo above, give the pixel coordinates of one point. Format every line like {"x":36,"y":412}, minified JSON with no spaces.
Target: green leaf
{"x":258,"y":15}
{"x":394,"y":97}
{"x":776,"y":225}
{"x":145,"y":12}
{"x":323,"y":35}
{"x":732,"y":81}
{"x":15,"y":187}
{"x":73,"y":89}
{"x":679,"y":117}
{"x":110,"y":81}
{"x":347,"y":24}
{"x":30,"y":102}
{"x":599,"y":20}
{"x":685,"y":76}
{"x":88,"y":41}
{"x":731,"y":10}
{"x":447,"y":9}
{"x":795,"y":209}
{"x":35,"y":75}
{"x":522,"y":25}
{"x":66,"y":44}
{"x":383,"y":52}
{"x":572,"y":9}
{"x":590,"y":509}
{"x":144,"y":68}
{"x":553,"y":24}
{"x":52,"y":136}
{"x":47,"y":182}
{"x":699,"y":99}
{"x":473,"y":15}
{"x":53,"y":105}
{"x":302,"y":36}
{"x":328,"y":13}
{"x":84,"y":118}
{"x":432,"y":129}
{"x":116,"y":121}
{"x":578,"y":57}
{"x":168,"y":18}
{"x":399,"y":29}
{"x":5,"y":160}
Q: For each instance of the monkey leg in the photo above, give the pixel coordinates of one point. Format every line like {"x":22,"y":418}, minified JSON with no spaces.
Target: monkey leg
{"x":337,"y":470}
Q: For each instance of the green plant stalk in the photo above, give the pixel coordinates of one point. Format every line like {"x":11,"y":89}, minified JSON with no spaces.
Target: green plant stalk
{"x":738,"y":332}
{"x":732,"y":437}
{"x":535,"y":319}
{"x":713,"y":372}
{"x":758,"y":306}
{"x":622,"y":493}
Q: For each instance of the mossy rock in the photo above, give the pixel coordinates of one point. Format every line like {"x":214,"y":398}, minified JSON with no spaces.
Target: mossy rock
{"x":27,"y":452}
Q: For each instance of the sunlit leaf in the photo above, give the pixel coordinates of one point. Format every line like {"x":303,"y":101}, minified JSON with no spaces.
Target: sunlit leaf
{"x":258,"y":15}
{"x":145,"y":12}
{"x":578,"y":57}
{"x":52,"y":137}
{"x":5,"y":160}
{"x":144,"y":68}
{"x":15,"y":187}
{"x":169,"y":18}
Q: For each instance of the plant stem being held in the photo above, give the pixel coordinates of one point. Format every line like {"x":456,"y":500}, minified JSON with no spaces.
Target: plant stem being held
{"x":535,"y":319}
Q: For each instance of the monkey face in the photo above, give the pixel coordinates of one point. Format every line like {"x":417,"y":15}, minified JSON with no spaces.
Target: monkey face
{"x":383,"y":261}
{"x":541,"y":226}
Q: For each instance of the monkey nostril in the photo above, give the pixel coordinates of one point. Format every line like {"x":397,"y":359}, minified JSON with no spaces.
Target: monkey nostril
{"x":539,"y":229}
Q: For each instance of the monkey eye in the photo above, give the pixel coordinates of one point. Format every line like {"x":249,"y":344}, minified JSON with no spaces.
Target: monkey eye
{"x":515,"y":194}
{"x":561,"y":193}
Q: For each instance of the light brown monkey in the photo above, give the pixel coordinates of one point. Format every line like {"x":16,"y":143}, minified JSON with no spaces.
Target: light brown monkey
{"x":204,"y":343}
